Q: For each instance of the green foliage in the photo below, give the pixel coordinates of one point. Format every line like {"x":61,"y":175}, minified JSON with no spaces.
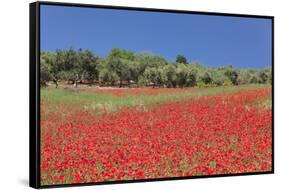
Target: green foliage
{"x":45,"y":74}
{"x":263,"y":77}
{"x":269,"y":73}
{"x":128,"y":68}
{"x":244,"y":77}
{"x":200,"y":84}
{"x":107,"y":76}
{"x":181,"y":59}
{"x":154,"y":76}
{"x":206,"y":78}
{"x":171,"y":75}
{"x":48,"y":68}
{"x":122,"y":54}
{"x":219,"y":78}
{"x":254,"y":79}
{"x":232,"y":74}
{"x":227,"y":82}
{"x":88,"y":65}
{"x":186,"y":77}
{"x":119,"y":65}
{"x":69,"y":65}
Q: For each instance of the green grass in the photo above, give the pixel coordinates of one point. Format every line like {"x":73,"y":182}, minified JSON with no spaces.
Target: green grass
{"x":108,"y":102}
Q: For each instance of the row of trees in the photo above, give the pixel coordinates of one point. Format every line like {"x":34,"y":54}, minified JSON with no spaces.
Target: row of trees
{"x":122,"y":67}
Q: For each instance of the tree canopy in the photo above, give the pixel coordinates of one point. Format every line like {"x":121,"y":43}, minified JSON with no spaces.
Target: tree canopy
{"x":126,"y":68}
{"x":181,"y":59}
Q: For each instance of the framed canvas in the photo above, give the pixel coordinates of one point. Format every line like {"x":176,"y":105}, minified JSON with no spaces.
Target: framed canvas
{"x":126,"y":94}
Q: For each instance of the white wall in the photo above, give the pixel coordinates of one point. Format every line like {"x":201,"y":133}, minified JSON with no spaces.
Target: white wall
{"x":14,"y":40}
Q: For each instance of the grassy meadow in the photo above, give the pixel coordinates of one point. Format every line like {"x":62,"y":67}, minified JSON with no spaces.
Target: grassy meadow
{"x":95,"y":100}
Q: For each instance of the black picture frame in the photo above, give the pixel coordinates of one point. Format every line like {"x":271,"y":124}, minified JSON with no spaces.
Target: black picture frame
{"x":34,"y":90}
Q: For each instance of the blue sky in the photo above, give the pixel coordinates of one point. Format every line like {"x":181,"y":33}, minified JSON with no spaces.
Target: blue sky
{"x":211,"y":40}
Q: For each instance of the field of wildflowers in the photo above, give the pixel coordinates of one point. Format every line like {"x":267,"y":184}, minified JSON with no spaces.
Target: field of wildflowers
{"x":96,"y":135}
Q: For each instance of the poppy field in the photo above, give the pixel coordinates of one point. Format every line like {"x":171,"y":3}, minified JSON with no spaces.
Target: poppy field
{"x":97,"y":135}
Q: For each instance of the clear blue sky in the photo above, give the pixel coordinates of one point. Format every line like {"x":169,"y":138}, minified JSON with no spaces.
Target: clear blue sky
{"x":210,"y":40}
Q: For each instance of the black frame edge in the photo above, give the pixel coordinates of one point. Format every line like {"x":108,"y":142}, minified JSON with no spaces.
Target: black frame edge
{"x":34,"y":93}
{"x":34,"y":133}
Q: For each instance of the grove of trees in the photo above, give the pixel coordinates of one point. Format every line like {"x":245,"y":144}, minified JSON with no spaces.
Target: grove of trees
{"x":126,"y":68}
